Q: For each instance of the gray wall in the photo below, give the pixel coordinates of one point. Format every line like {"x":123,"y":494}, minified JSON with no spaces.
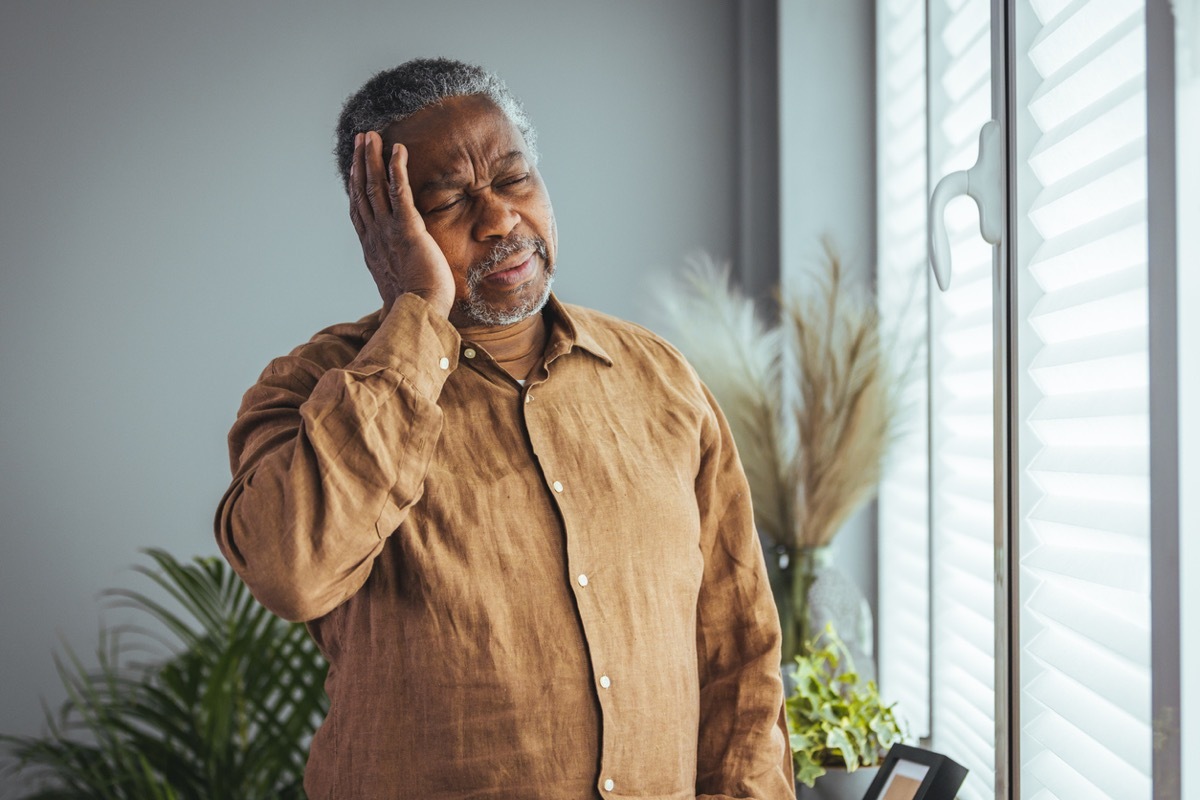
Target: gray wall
{"x":827,"y":170}
{"x":171,"y":221}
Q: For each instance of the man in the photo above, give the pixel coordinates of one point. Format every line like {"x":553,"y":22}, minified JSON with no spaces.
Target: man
{"x":517,"y":529}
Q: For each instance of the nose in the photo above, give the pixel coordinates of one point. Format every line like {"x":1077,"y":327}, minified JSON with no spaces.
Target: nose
{"x":495,"y":217}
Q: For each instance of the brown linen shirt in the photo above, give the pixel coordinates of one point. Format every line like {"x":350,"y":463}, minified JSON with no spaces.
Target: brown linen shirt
{"x":550,"y":591}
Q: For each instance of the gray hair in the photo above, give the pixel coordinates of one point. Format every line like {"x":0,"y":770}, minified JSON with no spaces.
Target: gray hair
{"x":394,"y":94}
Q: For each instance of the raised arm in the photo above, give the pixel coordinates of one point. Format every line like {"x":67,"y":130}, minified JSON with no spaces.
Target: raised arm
{"x":327,"y":462}
{"x":328,"y":458}
{"x":743,"y":750}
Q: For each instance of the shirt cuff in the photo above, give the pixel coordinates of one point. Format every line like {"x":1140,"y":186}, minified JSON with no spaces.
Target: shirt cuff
{"x":415,"y":341}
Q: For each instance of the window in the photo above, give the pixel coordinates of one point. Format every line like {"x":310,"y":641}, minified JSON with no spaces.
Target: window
{"x":1082,"y":409}
{"x":1187,"y":290}
{"x":904,"y":624}
{"x":1040,"y":444}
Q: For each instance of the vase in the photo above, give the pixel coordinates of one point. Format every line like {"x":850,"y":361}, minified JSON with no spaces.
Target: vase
{"x":811,"y":592}
{"x":838,"y":784}
{"x":833,"y":598}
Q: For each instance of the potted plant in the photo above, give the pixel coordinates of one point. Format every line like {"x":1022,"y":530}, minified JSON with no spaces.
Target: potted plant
{"x":840,"y":729}
{"x":226,"y":710}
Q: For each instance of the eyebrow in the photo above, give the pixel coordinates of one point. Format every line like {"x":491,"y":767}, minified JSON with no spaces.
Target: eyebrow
{"x":454,"y":179}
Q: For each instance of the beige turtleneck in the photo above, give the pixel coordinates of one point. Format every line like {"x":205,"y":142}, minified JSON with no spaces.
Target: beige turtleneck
{"x":517,"y":348}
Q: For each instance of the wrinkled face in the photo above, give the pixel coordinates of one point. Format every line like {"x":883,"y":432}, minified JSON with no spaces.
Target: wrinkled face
{"x":484,"y":203}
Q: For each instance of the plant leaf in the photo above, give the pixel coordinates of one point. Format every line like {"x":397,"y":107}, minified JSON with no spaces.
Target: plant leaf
{"x":227,"y":712}
{"x":835,"y":718}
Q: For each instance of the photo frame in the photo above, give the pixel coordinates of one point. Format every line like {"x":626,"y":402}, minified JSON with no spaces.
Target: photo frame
{"x":910,"y":773}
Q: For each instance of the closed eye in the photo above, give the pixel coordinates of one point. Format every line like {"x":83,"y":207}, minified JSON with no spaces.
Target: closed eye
{"x":449,"y":204}
{"x":514,"y":180}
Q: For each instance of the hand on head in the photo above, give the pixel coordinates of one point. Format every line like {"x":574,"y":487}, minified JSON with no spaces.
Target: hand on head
{"x":400,"y":253}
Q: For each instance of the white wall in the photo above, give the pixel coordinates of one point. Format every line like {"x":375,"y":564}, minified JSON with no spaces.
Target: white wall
{"x":170,"y":220}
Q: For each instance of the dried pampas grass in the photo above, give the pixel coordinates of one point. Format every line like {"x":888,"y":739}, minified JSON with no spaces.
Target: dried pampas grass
{"x":738,"y":358}
{"x":812,"y":403}
{"x":847,"y":406}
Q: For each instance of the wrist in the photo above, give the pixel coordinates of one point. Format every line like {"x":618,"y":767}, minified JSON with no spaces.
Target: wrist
{"x":437,"y":301}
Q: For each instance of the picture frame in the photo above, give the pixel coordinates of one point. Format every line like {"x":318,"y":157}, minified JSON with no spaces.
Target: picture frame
{"x":911,"y":773}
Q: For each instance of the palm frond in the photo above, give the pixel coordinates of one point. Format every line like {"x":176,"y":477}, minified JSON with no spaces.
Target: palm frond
{"x":227,"y":712}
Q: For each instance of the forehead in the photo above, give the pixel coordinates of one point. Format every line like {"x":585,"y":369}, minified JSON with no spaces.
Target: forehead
{"x":458,"y":127}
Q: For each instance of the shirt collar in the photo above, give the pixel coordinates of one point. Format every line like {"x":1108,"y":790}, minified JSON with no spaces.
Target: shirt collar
{"x":567,"y":333}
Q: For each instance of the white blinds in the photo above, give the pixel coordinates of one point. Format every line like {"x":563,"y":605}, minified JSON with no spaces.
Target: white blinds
{"x":1082,"y":402}
{"x":903,"y":296}
{"x":1187,"y":137}
{"x":936,"y":516}
{"x":1082,"y":395}
{"x":1187,"y":134}
{"x":961,"y":408}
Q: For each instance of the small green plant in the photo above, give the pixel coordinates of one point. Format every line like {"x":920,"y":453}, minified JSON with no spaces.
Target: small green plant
{"x":225,"y":712}
{"x":835,"y":719}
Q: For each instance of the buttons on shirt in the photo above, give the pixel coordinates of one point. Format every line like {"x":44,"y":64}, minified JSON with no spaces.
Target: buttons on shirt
{"x":583,"y":580}
{"x":558,"y":487}
{"x":469,"y":352}
{"x":528,"y":398}
{"x":608,"y":785}
{"x":444,"y":363}
{"x":605,"y":682}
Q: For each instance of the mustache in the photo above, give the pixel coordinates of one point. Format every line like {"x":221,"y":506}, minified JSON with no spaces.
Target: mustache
{"x":509,"y":246}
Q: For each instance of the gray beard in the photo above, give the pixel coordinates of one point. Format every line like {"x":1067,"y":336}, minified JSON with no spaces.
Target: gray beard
{"x":479,"y":311}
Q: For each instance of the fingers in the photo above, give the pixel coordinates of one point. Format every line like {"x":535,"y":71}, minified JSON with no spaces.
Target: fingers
{"x":360,"y":207}
{"x":381,"y":197}
{"x":399,"y":190}
{"x":375,"y":189}
{"x":375,"y":174}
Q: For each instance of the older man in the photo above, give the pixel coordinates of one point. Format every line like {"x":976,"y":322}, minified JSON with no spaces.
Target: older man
{"x":517,"y":529}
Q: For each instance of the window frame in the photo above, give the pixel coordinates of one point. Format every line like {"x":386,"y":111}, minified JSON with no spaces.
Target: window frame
{"x":1164,"y":404}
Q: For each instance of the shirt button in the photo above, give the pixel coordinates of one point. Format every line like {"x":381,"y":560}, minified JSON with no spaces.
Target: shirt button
{"x":608,"y":785}
{"x":558,"y":487}
{"x":605,"y":682}
{"x":583,"y":580}
{"x":444,"y":363}
{"x":528,"y":398}
{"x":469,"y":353}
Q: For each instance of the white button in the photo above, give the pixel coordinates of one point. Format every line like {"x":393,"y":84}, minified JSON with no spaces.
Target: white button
{"x":469,"y":353}
{"x":605,"y":682}
{"x":582,"y":580}
{"x":557,"y":487}
{"x":608,"y":785}
{"x":444,"y":363}
{"x":528,"y":398}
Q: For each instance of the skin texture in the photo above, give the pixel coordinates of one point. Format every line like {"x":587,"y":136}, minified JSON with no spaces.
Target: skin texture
{"x":458,"y":215}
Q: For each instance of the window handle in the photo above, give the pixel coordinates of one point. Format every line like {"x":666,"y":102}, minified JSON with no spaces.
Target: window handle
{"x":983,"y":182}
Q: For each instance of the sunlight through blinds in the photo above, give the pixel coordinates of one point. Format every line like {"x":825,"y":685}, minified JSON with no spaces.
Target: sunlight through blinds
{"x":1082,"y":402}
{"x":903,"y":298}
{"x":961,"y":429}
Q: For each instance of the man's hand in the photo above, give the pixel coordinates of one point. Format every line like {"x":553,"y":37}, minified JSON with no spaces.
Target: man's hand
{"x":399,"y":251}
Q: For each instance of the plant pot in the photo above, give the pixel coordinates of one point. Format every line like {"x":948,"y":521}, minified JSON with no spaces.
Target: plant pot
{"x":838,"y":784}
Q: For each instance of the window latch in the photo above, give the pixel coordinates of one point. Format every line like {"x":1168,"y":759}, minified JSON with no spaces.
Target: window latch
{"x":983,"y":182}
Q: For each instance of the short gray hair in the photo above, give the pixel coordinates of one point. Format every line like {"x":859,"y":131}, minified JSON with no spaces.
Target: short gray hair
{"x":394,"y":94}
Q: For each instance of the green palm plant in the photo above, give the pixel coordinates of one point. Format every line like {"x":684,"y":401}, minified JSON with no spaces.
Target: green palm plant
{"x":227,"y":712}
